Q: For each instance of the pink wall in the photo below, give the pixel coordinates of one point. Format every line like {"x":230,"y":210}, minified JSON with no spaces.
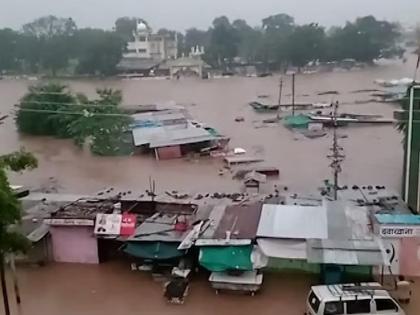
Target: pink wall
{"x":167,"y":153}
{"x":75,"y":244}
{"x":410,"y":257}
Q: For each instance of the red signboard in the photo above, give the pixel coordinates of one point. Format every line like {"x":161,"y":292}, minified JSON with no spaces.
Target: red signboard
{"x":128,"y":224}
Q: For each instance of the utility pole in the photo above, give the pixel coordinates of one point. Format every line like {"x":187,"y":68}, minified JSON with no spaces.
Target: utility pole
{"x":3,"y":285}
{"x":293,"y":94}
{"x":337,"y":156}
{"x":280,"y":92}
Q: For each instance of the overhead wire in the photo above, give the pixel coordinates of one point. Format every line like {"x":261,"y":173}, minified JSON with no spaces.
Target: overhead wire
{"x":46,"y":111}
{"x":71,"y":104}
{"x":86,"y":113}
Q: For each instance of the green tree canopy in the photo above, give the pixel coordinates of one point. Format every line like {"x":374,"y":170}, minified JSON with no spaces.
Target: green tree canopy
{"x":37,"y":114}
{"x":366,"y":39}
{"x":126,"y":26}
{"x":98,"y":51}
{"x":52,"y":37}
{"x":11,"y":240}
{"x":50,"y":26}
{"x":51,"y":109}
{"x":306,"y":43}
{"x":9,"y":50}
{"x":224,"y":41}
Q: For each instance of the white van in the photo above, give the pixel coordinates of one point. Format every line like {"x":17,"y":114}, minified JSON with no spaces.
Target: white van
{"x":356,"y":299}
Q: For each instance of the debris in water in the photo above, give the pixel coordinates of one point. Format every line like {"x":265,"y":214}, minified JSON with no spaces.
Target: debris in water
{"x":238,"y":151}
{"x":271,"y":120}
{"x":365,"y":91}
{"x":328,"y":93}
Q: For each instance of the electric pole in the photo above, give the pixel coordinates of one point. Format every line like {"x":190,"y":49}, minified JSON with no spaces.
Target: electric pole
{"x":337,"y":155}
{"x":293,"y":94}
{"x":280,"y":92}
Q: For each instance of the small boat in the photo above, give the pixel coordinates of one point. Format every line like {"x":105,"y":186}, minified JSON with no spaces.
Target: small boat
{"x":265,"y":108}
{"x":350,"y":118}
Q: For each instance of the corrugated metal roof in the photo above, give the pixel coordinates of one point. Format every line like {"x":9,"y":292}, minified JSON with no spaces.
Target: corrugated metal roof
{"x":167,"y":128}
{"x":177,"y":138}
{"x":255,"y":176}
{"x":160,"y":228}
{"x":39,"y":233}
{"x":298,"y":222}
{"x":351,"y":252}
{"x":160,"y":118}
{"x":215,"y":216}
{"x":283,"y":248}
{"x":181,"y":136}
{"x":242,"y":159}
{"x":410,"y":219}
{"x":240,"y":220}
{"x":142,"y":136}
{"x":136,"y":64}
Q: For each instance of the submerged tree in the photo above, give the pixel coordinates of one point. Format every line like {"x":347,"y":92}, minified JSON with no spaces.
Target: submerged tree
{"x":40,"y":110}
{"x":104,"y":125}
{"x":11,"y":241}
{"x":51,"y":109}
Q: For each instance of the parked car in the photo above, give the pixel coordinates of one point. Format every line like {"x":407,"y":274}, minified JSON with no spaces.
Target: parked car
{"x":356,"y":298}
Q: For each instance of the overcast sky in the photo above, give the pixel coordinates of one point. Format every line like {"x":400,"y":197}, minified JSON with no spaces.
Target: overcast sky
{"x":182,"y":14}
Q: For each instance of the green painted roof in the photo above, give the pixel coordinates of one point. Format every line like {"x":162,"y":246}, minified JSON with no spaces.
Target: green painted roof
{"x":223,"y":258}
{"x":297,"y":121}
{"x":153,"y":250}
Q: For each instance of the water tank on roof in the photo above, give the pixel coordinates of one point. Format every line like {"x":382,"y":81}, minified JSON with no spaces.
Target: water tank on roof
{"x":141,"y":26}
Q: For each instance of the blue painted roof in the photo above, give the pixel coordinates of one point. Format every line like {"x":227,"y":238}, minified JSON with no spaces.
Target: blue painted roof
{"x":398,"y":219}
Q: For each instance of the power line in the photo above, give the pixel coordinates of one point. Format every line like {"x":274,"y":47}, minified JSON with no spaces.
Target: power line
{"x":71,"y":104}
{"x":337,"y":155}
{"x":84,"y":113}
{"x":87,"y":113}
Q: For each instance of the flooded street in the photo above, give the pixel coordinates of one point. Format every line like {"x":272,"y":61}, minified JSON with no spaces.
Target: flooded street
{"x":374,"y":153}
{"x":69,"y":289}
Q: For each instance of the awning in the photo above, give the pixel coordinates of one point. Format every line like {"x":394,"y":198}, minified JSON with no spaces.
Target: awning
{"x":226,"y":258}
{"x":153,"y":250}
{"x":283,"y":248}
{"x":352,"y":252}
{"x":38,"y":234}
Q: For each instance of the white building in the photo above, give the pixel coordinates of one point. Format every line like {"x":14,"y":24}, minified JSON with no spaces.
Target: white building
{"x":147,"y":45}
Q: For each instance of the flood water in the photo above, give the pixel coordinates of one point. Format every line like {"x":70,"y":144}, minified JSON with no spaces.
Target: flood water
{"x":112,"y":288}
{"x":373,"y":153}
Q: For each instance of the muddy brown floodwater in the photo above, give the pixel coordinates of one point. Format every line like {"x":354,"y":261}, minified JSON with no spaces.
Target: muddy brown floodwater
{"x":112,"y":288}
{"x":374,"y":153}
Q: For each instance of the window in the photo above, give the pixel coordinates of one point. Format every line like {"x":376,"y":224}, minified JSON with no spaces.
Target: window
{"x":142,"y":50}
{"x":334,"y":308}
{"x":131,"y":50}
{"x":142,"y":38}
{"x":358,"y":307}
{"x":314,"y":302}
{"x":386,"y":305}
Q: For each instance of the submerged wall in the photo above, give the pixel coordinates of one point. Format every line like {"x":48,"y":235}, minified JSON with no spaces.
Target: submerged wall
{"x":74,"y":244}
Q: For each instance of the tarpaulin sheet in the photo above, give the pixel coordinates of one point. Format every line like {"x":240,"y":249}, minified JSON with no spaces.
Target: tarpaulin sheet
{"x":223,"y":258}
